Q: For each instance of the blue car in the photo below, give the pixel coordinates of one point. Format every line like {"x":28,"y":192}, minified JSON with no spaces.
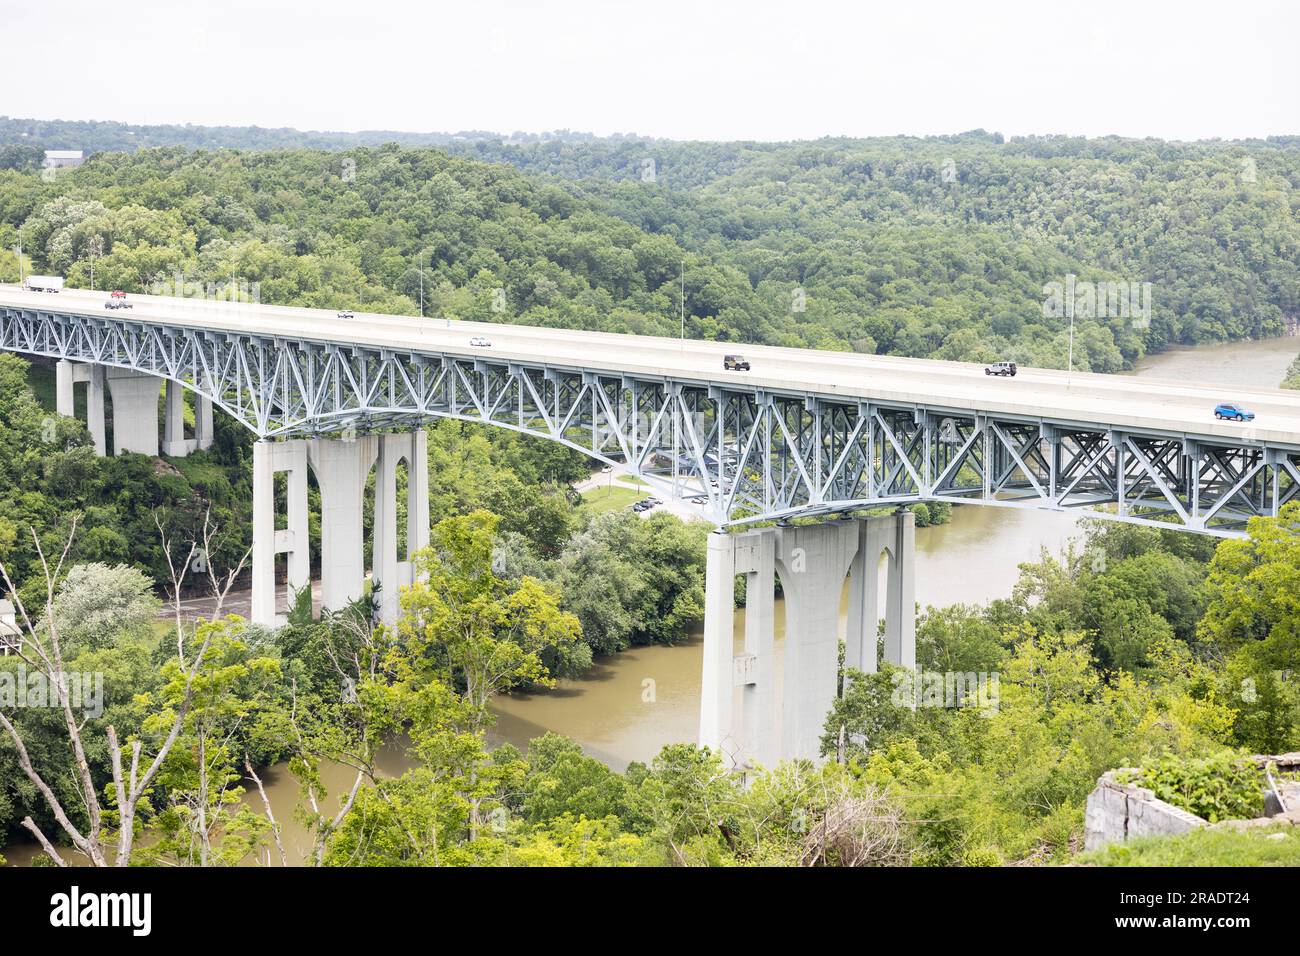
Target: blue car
{"x":1235,"y":412}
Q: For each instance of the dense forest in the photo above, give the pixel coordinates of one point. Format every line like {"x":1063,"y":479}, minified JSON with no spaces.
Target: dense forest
{"x":1166,"y":652}
{"x":939,"y":247}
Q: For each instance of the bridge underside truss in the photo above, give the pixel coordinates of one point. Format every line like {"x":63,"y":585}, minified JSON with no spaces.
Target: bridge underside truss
{"x":743,"y":454}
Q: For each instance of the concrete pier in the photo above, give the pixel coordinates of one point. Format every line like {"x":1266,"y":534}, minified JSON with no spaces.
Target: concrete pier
{"x":392,"y":571}
{"x":342,"y":468}
{"x":174,"y":443}
{"x":66,"y":376}
{"x":813,"y":561}
{"x":739,"y":708}
{"x":294,"y":540}
{"x":202,"y":422}
{"x":717,"y":720}
{"x":135,"y":411}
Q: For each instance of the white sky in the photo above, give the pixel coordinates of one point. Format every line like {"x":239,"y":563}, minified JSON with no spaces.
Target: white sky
{"x":686,"y":70}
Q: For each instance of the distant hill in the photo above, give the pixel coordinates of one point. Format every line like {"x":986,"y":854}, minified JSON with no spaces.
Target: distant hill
{"x":93,"y":136}
{"x":944,"y":246}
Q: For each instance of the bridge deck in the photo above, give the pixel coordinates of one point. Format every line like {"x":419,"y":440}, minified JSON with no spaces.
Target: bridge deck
{"x":1099,"y":400}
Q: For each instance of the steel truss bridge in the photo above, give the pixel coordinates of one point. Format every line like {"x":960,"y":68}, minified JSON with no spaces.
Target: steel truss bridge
{"x":744,"y":448}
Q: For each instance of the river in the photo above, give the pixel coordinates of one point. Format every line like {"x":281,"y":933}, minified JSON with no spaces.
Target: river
{"x":629,"y":705}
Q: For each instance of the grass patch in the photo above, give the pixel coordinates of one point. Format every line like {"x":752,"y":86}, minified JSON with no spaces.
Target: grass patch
{"x":203,"y":473}
{"x":1259,"y":846}
{"x":600,"y":500}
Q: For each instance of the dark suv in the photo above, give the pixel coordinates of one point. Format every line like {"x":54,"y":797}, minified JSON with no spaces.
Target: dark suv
{"x":735,"y":363}
{"x":1000,"y":368}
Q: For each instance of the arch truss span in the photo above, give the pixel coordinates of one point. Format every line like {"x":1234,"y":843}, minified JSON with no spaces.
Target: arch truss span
{"x":741,"y":453}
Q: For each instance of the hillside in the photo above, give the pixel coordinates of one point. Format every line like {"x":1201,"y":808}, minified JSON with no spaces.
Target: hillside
{"x":938,"y":247}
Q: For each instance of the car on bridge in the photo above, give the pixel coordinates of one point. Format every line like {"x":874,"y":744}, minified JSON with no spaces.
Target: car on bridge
{"x":1001,"y":368}
{"x":1233,"y":412}
{"x":735,"y":363}
{"x":117,"y":300}
{"x":346,"y":314}
{"x":479,"y":342}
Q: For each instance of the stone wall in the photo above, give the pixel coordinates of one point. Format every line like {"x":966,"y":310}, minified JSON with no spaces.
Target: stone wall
{"x":1116,"y":812}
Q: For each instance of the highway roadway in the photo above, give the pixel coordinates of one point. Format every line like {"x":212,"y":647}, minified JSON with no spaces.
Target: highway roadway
{"x":1108,"y":400}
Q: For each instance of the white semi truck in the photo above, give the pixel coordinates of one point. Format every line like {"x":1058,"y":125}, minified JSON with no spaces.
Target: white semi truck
{"x":43,"y":284}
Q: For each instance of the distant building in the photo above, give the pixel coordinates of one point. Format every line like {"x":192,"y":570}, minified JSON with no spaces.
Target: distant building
{"x":10,"y":635}
{"x":63,"y":158}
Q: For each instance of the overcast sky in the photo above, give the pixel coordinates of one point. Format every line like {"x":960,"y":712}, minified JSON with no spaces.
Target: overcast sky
{"x":687,"y":70}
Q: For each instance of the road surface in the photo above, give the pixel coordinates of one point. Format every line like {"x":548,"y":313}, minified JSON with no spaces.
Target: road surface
{"x":1109,"y":400}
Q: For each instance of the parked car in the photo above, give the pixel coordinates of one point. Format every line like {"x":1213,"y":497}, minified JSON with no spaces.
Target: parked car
{"x":640,"y":506}
{"x":1001,"y":368}
{"x":1233,"y":411}
{"x":117,"y":300}
{"x":346,"y":314}
{"x":735,"y":363}
{"x":700,"y":500}
{"x":479,"y":342}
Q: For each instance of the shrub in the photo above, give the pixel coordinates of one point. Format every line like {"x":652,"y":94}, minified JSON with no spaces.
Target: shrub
{"x":1223,"y":787}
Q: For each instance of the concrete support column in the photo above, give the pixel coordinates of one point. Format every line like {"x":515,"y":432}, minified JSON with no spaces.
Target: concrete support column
{"x":900,"y":602}
{"x":135,"y":411}
{"x":813,"y":561}
{"x":67,"y":375}
{"x":716,"y":697}
{"x":95,"y":408}
{"x":756,"y":668}
{"x":174,"y":443}
{"x":393,"y":571}
{"x":895,"y":537}
{"x":202,"y":422}
{"x":860,"y":636}
{"x":263,"y":597}
{"x":341,"y":467}
{"x":270,"y":458}
{"x":64,"y":402}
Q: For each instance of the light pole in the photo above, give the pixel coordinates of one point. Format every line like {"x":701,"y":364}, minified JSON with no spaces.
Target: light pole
{"x":1070,"y":370}
{"x":95,"y":249}
{"x":19,"y":250}
{"x":419,"y":267}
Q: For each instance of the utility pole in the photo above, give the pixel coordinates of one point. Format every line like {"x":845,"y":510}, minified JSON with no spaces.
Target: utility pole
{"x":419,"y":267}
{"x":19,"y":250}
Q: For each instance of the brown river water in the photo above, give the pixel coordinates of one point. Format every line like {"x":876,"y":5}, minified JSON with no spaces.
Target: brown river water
{"x":630,"y":705}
